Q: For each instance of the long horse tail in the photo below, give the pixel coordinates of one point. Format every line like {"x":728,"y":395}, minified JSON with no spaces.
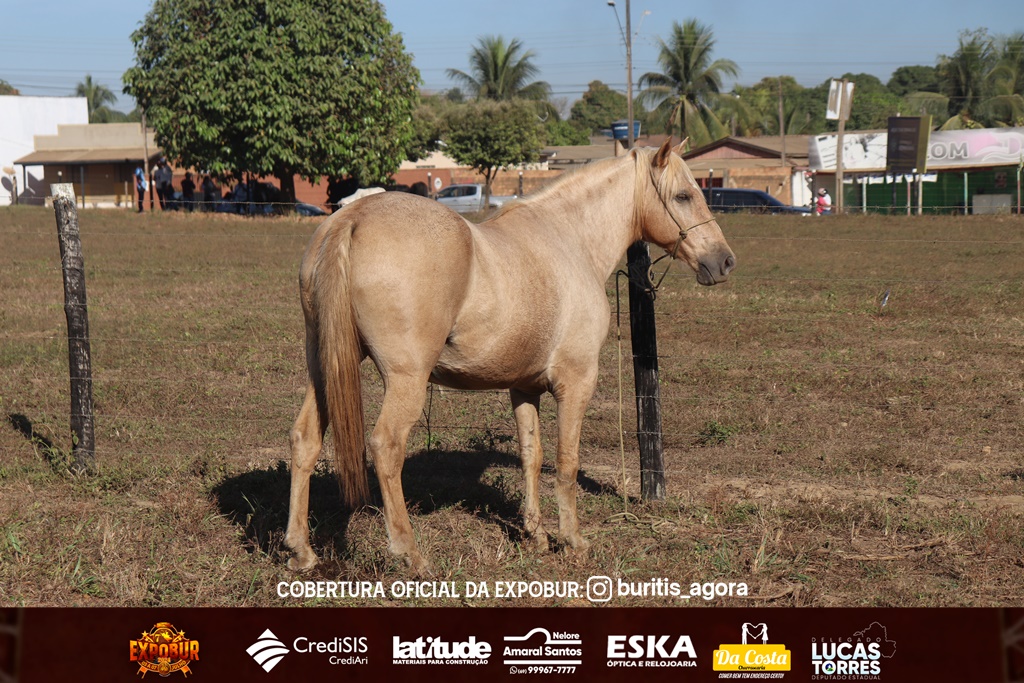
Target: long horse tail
{"x":340,"y":354}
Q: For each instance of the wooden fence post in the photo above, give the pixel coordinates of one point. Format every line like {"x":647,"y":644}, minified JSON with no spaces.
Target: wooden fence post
{"x":643,"y":333}
{"x":83,"y":450}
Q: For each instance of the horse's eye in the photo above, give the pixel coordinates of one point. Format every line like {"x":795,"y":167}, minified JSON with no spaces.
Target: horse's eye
{"x":683,"y":196}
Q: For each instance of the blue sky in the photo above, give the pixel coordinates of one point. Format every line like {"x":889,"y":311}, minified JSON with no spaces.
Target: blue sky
{"x":48,"y":47}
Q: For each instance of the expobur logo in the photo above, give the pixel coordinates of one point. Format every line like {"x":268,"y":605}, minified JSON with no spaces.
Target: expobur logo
{"x":651,"y":651}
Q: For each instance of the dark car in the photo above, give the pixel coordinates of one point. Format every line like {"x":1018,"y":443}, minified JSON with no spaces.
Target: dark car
{"x":728,"y":199}
{"x":309,"y":210}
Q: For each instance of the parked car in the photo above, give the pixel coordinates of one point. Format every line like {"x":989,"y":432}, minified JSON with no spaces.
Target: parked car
{"x":468,"y":198}
{"x":309,"y":210}
{"x":728,"y":200}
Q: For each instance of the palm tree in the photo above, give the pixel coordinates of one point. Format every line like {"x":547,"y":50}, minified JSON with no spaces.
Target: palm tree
{"x":962,"y":75}
{"x":501,"y":71}
{"x":684,"y":94}
{"x":97,"y":97}
{"x":984,"y":80}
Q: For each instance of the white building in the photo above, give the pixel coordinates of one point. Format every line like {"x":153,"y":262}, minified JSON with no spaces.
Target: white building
{"x":21,"y":119}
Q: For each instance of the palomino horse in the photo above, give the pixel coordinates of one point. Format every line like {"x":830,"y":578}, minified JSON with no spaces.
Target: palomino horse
{"x":517,"y":302}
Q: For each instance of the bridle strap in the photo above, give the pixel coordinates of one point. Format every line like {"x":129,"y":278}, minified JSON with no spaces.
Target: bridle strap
{"x":651,"y":286}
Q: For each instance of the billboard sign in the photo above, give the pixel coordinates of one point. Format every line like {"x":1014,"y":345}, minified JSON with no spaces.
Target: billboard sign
{"x":907,"y":148}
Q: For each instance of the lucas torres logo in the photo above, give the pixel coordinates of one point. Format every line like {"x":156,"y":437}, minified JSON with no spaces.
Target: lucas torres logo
{"x":433,"y":650}
{"x":852,"y":658}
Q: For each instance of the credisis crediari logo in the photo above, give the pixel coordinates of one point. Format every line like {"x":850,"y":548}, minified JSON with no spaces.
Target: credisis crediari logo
{"x":268,"y":650}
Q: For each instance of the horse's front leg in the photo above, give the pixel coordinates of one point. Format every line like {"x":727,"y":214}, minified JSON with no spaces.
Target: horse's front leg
{"x":572,"y":404}
{"x":525,"y":407}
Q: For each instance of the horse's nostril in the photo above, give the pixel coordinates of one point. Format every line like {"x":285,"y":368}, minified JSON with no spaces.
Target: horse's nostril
{"x":730,"y":263}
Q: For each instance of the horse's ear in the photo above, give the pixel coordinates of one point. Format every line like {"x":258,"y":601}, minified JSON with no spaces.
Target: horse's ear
{"x":681,"y":147}
{"x":661,"y":156}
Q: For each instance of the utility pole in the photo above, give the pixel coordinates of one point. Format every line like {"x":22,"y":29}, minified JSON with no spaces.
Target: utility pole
{"x":843,"y":113}
{"x":782,"y":123}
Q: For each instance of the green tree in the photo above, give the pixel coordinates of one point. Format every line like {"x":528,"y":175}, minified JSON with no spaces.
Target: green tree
{"x":962,"y":75}
{"x":598,"y":108}
{"x":755,"y":110}
{"x":278,"y":87}
{"x":7,"y":89}
{"x":492,"y":135}
{"x":1004,"y":104}
{"x":97,"y":97}
{"x":683,"y":95}
{"x":911,"y":79}
{"x":565,"y":133}
{"x":501,"y":71}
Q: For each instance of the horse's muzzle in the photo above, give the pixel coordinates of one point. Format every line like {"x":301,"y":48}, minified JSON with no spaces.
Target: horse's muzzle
{"x":714,"y":270}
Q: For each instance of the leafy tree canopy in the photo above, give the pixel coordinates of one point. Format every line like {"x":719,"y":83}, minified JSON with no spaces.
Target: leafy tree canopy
{"x":600,"y":106}
{"x":7,"y":89}
{"x":278,"y":87}
{"x":911,"y":79}
{"x":490,"y":135}
{"x":565,"y":133}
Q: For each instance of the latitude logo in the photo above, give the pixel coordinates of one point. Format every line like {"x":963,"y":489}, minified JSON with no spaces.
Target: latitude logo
{"x":268,"y":650}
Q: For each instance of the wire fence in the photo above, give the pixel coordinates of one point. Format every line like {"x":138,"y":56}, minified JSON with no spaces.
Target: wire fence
{"x":706,"y":401}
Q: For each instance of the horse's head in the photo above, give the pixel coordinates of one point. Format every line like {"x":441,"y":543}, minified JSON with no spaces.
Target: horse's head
{"x":670,"y":212}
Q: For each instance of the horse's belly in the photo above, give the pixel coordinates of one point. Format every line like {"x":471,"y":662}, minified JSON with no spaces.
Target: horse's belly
{"x":489,"y":371}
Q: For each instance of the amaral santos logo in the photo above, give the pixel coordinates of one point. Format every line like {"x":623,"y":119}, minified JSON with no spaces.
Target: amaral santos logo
{"x":268,"y":650}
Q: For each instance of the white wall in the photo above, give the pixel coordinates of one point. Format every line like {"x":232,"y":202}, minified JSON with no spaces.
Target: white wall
{"x":22,"y":118}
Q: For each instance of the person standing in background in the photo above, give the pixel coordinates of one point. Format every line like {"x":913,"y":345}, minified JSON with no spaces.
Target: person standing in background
{"x":163,"y":177}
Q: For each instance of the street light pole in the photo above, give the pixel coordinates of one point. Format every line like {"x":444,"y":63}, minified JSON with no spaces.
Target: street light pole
{"x":627,"y":38}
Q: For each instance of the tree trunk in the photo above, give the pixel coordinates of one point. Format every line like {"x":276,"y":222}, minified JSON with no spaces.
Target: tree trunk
{"x":287,"y":183}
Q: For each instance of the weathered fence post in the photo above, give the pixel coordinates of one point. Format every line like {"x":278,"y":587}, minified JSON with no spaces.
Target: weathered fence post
{"x":83,"y":451}
{"x":643,"y":334}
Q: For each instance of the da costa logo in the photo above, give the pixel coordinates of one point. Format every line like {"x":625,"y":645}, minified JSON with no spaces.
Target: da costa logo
{"x":433,"y":650}
{"x":164,"y":650}
{"x":852,"y":658}
{"x":750,"y":657}
{"x":651,"y":651}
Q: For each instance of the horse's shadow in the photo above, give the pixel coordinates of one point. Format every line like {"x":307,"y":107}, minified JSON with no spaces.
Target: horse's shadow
{"x":257,"y":501}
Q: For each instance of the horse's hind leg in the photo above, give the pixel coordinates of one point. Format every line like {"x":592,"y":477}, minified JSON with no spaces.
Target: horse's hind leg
{"x":526,"y":408}
{"x":307,"y":437}
{"x":403,"y":404}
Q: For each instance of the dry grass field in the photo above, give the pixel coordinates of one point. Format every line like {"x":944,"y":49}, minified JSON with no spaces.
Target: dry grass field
{"x":821,"y":447}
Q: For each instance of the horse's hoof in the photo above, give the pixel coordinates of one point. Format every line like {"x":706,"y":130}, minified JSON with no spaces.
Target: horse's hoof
{"x":538,"y":541}
{"x":302,"y":561}
{"x":420,"y":566}
{"x":578,"y":544}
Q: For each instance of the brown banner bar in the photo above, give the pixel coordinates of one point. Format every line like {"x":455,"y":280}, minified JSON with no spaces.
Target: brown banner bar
{"x":596,"y":644}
